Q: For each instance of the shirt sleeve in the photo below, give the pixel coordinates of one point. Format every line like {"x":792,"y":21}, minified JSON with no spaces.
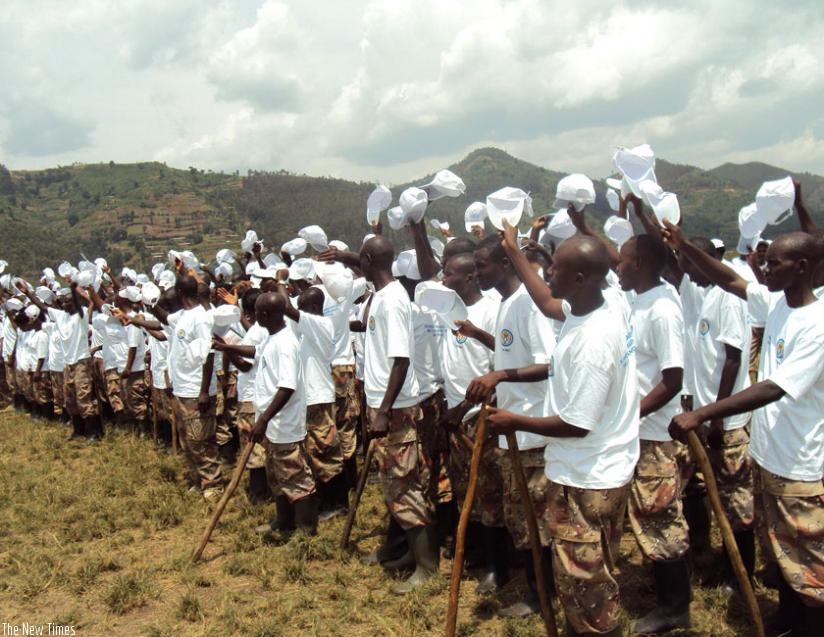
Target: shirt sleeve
{"x":134,"y":336}
{"x":732,"y":327}
{"x":539,"y":335}
{"x":320,"y":330}
{"x":399,"y":330}
{"x":42,"y":345}
{"x":667,"y":338}
{"x":287,"y":362}
{"x":758,"y":302}
{"x":802,"y":369}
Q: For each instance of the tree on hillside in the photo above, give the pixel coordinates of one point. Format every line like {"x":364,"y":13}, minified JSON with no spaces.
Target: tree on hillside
{"x":6,"y":184}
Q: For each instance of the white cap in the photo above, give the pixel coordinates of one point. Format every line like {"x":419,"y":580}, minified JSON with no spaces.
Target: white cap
{"x":150,"y":294}
{"x":747,"y":244}
{"x":3,"y":265}
{"x":32,"y":311}
{"x":5,"y":281}
{"x":664,"y":204}
{"x":444,"y":184}
{"x":48,"y":275}
{"x":272,"y":260}
{"x":64,"y":292}
{"x":302,"y":270}
{"x":508,"y":203}
{"x":224,"y":270}
{"x":294,"y":246}
{"x":751,"y":221}
{"x":101,"y":263}
{"x":337,"y":279}
{"x":142,"y":278}
{"x":84,"y":278}
{"x":45,"y":294}
{"x":440,"y":225}
{"x":407,"y":265}
{"x":65,"y":269}
{"x":14,"y":305}
{"x":775,"y":198}
{"x":86,"y":265}
{"x":413,"y":202}
{"x":338,"y":244}
{"x":315,"y":236}
{"x":576,"y":189}
{"x":130,"y":292}
{"x":614,"y":199}
{"x":249,"y":241}
{"x":475,"y":215}
{"x":127,"y":273}
{"x":397,"y":218}
{"x":618,"y":229}
{"x":226,"y":315}
{"x":443,"y":301}
{"x":367,"y":236}
{"x":717,"y":243}
{"x":636,"y":164}
{"x":157,"y":268}
{"x":166,"y":280}
{"x":359,"y":287}
{"x":437,"y":246}
{"x":560,"y":226}
{"x":377,"y":202}
{"x":225,"y":255}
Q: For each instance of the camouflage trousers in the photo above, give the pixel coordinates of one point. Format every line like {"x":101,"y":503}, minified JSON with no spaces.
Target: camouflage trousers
{"x":585,"y":526}
{"x":57,"y":383}
{"x":403,"y":472}
{"x":226,"y":408}
{"x":78,"y":389}
{"x":245,"y":422}
{"x":732,"y":467}
{"x":287,"y":470}
{"x":435,"y":446}
{"x":323,"y":442}
{"x":114,"y":390}
{"x":39,"y":388}
{"x":196,"y":434}
{"x":487,"y":508}
{"x":537,"y":483}
{"x":6,"y":386}
{"x":161,"y":404}
{"x":790,"y":522}
{"x":99,"y":380}
{"x":11,"y":378}
{"x":136,"y":396}
{"x":347,"y":408}
{"x":655,"y":510}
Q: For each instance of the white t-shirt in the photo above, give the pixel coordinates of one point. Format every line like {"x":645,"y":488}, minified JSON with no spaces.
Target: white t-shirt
{"x":73,"y":332}
{"x":788,"y":434}
{"x":9,"y":337}
{"x":114,"y":337}
{"x":692,"y":297}
{"x":523,"y":337}
{"x":594,"y":385}
{"x":430,"y":334}
{"x":279,"y":367}
{"x":721,"y":322}
{"x":317,"y":347}
{"x":135,"y":338}
{"x":57,"y":362}
{"x":745,"y":272}
{"x":158,"y":355}
{"x":256,"y":335}
{"x":339,"y":313}
{"x":390,"y":334}
{"x":32,"y":345}
{"x":189,"y":348}
{"x":464,"y":359}
{"x":657,"y":329}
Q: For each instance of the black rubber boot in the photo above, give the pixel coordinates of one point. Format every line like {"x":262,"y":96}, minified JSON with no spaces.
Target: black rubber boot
{"x":790,"y":611}
{"x":745,"y":540}
{"x":672,"y":587}
{"x":446,"y":521}
{"x":78,"y":428}
{"x":393,"y":547}
{"x":697,"y":515}
{"x":306,"y":513}
{"x":350,"y":471}
{"x":284,"y":517}
{"x":258,"y":490}
{"x":120,"y":420}
{"x":335,"y":498}
{"x":813,"y":621}
{"x":94,"y":428}
{"x":529,"y":605}
{"x":423,"y":542}
{"x":496,"y":567}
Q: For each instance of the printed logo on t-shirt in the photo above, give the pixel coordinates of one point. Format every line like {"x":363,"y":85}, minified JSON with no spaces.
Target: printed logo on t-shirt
{"x":181,"y":333}
{"x":371,"y":323}
{"x":460,"y":339}
{"x":507,"y":338}
{"x":704,"y":327}
{"x":550,"y":368}
{"x":779,"y":350}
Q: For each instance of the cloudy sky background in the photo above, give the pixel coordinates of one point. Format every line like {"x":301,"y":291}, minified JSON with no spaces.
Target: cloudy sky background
{"x":392,"y":89}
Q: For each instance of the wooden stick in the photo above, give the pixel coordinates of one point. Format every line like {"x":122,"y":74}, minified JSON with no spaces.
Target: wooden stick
{"x":700,"y":457}
{"x":353,"y":506}
{"x":230,"y":489}
{"x":463,"y":522}
{"x":534,"y":537}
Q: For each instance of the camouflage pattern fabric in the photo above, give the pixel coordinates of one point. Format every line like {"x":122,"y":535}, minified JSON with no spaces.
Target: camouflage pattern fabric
{"x":40,"y":390}
{"x":347,"y":408}
{"x":434,"y":445}
{"x":586,"y":525}
{"x":78,"y":389}
{"x":403,"y":472}
{"x":114,"y":390}
{"x":287,"y":470}
{"x":790,"y":522}
{"x":99,"y":380}
{"x":245,"y":422}
{"x":162,"y":404}
{"x":537,"y":483}
{"x":322,"y":442}
{"x":136,"y":395}
{"x":732,"y":467}
{"x":196,"y":434}
{"x":57,"y":383}
{"x":655,"y":510}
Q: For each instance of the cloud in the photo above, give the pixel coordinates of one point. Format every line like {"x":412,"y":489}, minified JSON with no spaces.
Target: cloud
{"x":37,"y":130}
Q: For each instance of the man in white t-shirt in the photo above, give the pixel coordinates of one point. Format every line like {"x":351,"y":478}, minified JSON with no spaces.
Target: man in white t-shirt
{"x":522,"y":341}
{"x":280,"y":412}
{"x":133,"y":373}
{"x":392,"y":399}
{"x":788,"y":418}
{"x":664,"y":466}
{"x":591,"y":424}
{"x":191,"y":372}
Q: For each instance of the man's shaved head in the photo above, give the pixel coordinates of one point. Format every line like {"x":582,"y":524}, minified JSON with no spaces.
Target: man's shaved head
{"x":462,"y":263}
{"x":376,"y":255}
{"x":798,"y":245}
{"x":311,"y":300}
{"x":579,"y":267}
{"x":587,"y":255}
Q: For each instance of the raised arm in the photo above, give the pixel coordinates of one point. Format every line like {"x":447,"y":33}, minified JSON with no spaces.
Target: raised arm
{"x":580,"y":222}
{"x":804,"y":218}
{"x":428,"y":265}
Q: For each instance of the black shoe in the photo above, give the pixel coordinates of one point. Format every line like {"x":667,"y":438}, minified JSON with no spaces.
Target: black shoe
{"x":672,"y":587}
{"x":306,"y":513}
{"x":496,"y":565}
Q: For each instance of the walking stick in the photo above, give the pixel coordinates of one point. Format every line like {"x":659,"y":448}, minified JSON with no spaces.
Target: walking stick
{"x":463,"y":522}
{"x":353,"y":507}
{"x":230,"y":489}
{"x":534,"y":538}
{"x":700,"y":457}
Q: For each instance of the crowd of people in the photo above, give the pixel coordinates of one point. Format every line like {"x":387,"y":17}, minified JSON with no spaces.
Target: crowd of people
{"x":598,"y":357}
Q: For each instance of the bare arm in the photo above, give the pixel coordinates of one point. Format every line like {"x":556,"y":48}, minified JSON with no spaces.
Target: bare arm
{"x":804,"y":218}
{"x":504,"y":422}
{"x":579,"y":221}
{"x":282,"y":397}
{"x":669,"y":387}
{"x":428,"y":265}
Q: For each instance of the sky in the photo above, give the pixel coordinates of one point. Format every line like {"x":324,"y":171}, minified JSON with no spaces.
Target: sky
{"x":390,"y":90}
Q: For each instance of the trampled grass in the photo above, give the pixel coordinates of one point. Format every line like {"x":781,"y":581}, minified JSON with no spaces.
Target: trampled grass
{"x":100,"y":537}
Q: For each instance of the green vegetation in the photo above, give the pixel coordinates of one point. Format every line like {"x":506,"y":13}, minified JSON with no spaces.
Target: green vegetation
{"x":135,"y":213}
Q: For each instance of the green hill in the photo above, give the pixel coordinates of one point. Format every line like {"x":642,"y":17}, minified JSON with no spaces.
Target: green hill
{"x":134,"y":213}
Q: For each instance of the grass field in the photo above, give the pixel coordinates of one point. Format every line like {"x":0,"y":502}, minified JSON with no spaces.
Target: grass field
{"x":99,"y":537}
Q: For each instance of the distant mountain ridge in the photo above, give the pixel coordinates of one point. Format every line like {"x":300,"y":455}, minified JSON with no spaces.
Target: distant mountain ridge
{"x":134,"y":213}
